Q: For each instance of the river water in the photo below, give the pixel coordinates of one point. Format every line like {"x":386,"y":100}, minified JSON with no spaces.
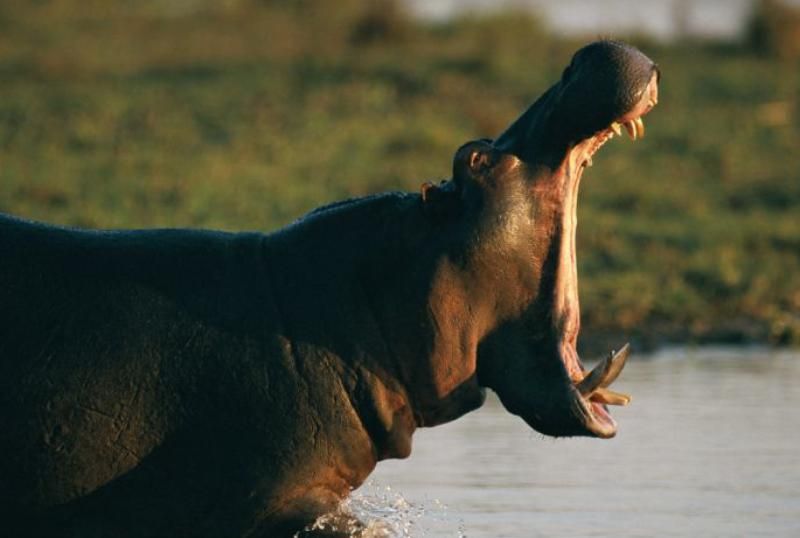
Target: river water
{"x":709,"y":446}
{"x":663,"y":19}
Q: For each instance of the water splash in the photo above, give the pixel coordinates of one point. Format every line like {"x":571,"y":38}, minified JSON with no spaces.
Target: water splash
{"x":380,"y":512}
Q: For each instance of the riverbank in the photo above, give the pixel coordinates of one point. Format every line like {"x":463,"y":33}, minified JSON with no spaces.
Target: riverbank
{"x":593,"y":343}
{"x":248,"y":116}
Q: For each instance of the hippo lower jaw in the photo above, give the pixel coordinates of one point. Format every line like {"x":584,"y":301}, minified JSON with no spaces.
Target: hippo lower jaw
{"x":583,"y":395}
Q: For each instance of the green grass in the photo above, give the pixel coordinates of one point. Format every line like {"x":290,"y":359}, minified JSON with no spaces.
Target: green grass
{"x":246,"y":116}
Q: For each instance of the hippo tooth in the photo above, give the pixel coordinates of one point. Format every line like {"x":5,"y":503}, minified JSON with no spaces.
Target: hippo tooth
{"x":604,"y":373}
{"x":610,"y":397}
{"x":639,"y":126}
{"x":616,"y":127}
{"x":588,"y":162}
{"x":630,"y":126}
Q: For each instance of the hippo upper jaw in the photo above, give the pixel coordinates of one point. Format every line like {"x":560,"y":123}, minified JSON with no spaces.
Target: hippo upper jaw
{"x":607,"y":88}
{"x":631,"y":122}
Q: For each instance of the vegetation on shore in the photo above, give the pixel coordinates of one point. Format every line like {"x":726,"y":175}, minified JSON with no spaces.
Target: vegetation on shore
{"x":246,"y":114}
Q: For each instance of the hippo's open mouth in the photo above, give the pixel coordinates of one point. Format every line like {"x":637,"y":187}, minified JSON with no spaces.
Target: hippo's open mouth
{"x":605,"y":91}
{"x":589,"y":390}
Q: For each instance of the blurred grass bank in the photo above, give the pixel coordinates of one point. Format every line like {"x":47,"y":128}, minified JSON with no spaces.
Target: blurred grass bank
{"x":245,"y":114}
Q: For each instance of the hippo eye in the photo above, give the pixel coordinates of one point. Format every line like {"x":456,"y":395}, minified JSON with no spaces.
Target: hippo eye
{"x":479,"y":161}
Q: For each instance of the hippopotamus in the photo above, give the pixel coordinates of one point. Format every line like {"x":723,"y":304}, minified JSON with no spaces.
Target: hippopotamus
{"x":200,"y":383}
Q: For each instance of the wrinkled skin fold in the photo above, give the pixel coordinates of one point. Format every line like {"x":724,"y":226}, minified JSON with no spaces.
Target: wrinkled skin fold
{"x":179,"y":382}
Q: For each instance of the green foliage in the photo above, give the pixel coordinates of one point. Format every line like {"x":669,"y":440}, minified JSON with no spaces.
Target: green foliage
{"x":775,"y":29}
{"x":245,"y":114}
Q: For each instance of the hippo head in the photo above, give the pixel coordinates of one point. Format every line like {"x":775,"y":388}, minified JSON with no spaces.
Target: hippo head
{"x":517,"y":199}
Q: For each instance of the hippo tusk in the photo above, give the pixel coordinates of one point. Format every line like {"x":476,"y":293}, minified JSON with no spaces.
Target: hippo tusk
{"x":610,"y":397}
{"x":639,"y":126}
{"x":630,"y":126}
{"x":604,"y":373}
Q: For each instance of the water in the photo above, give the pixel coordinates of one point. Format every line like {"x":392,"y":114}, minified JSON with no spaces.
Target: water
{"x":661,"y":19}
{"x":710,"y":446}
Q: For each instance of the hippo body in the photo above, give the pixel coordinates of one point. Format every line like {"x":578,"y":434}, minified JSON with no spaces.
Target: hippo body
{"x":199,"y":383}
{"x":172,"y":368}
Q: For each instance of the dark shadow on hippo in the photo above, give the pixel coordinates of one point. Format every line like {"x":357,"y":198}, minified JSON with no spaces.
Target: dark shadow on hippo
{"x":195,"y":383}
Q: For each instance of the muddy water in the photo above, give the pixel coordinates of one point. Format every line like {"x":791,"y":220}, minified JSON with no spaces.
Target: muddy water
{"x":710,"y":446}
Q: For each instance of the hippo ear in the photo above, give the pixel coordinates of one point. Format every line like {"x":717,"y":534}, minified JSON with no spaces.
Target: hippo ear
{"x":473,"y":171}
{"x":440,"y":200}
